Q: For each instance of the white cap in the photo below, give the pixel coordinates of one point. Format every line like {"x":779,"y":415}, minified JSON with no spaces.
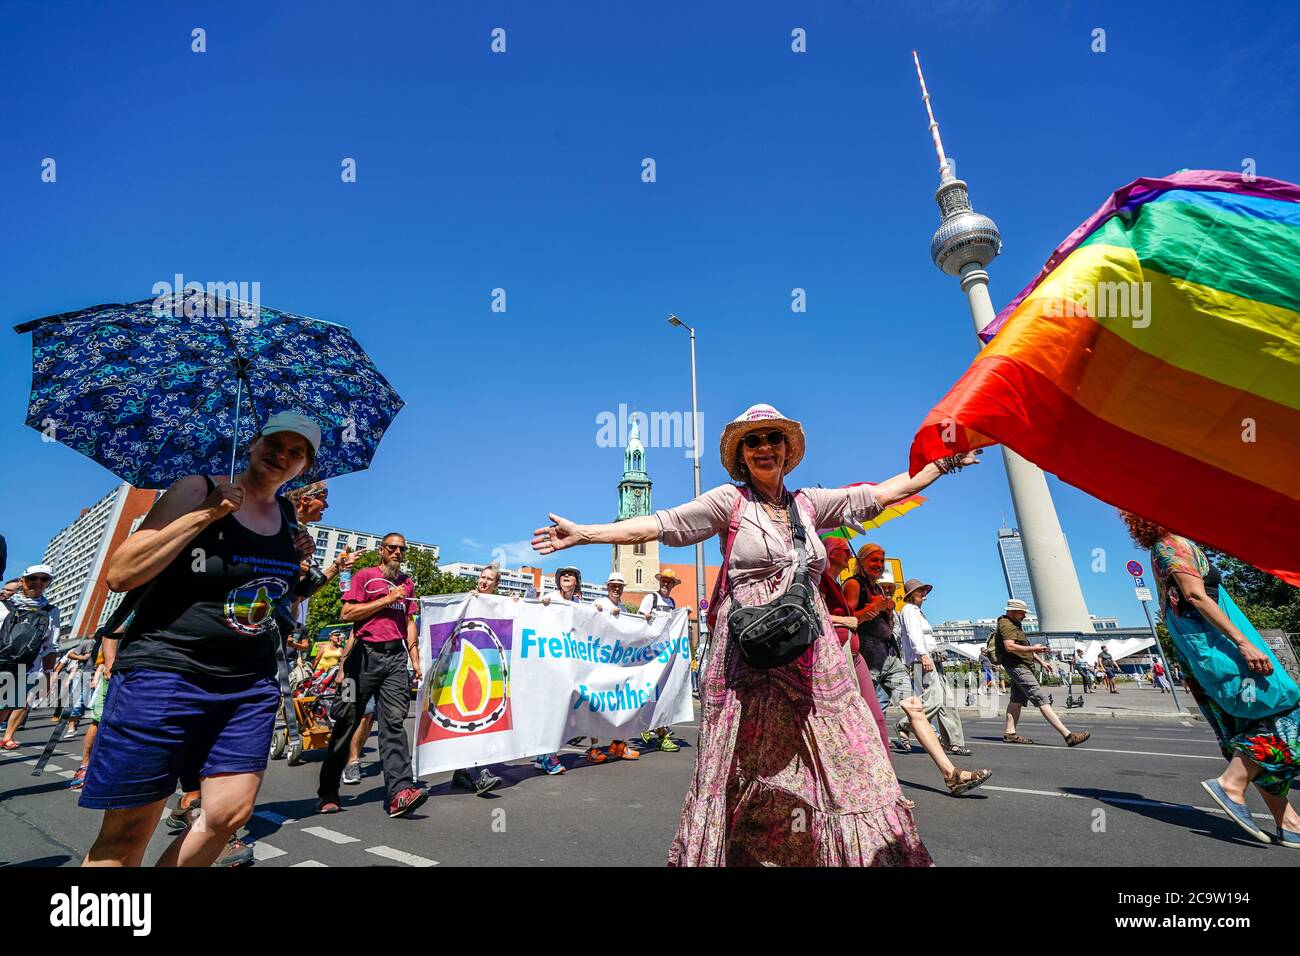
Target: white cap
{"x":39,"y":569}
{"x":293,"y":422}
{"x":887,"y":576}
{"x":615,"y":578}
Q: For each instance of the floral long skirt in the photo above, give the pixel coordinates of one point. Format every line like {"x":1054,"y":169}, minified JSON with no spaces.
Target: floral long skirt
{"x":791,"y":770}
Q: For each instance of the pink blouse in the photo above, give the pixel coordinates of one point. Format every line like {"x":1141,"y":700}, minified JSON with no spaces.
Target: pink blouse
{"x":761,"y":549}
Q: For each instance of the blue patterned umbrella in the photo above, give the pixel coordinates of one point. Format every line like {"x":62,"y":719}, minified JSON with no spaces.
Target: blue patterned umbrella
{"x":178,"y":385}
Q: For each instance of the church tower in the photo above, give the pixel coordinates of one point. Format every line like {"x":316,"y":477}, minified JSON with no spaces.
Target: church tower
{"x":638,"y":563}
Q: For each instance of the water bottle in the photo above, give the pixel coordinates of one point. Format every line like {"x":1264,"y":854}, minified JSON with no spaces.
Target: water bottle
{"x":345,"y":576}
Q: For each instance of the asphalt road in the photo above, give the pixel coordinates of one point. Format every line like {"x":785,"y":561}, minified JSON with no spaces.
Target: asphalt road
{"x":1130,"y":796}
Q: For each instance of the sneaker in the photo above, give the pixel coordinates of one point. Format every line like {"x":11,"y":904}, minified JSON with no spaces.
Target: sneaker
{"x":486,"y":781}
{"x":352,"y":774}
{"x":462,"y":780}
{"x":72,"y":732}
{"x":549,"y":763}
{"x":596,"y":755}
{"x":328,"y":804}
{"x":407,"y":801}
{"x":78,"y":779}
{"x":1289,"y":838}
{"x":621,"y":751}
{"x":178,"y":821}
{"x":236,"y":853}
{"x":668,"y":745}
{"x":648,"y":737}
{"x":575,"y":742}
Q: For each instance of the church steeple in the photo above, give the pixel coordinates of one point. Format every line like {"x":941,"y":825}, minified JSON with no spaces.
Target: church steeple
{"x":638,"y":563}
{"x":634,"y":464}
{"x":634,"y":488}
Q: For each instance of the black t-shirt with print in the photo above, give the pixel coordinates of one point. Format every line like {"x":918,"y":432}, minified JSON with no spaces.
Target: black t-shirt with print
{"x":212,"y":611}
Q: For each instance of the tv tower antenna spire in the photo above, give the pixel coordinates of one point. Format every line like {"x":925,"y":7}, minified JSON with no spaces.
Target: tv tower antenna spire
{"x":963,"y":246}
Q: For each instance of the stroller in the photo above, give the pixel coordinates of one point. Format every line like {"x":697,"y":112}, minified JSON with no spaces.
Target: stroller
{"x":313,"y":693}
{"x":312,"y":700}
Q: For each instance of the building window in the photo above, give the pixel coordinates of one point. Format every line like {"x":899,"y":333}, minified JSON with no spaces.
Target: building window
{"x":639,"y":548}
{"x":638,"y":574}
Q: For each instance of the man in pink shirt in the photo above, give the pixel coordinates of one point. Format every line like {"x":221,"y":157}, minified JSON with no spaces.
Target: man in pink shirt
{"x":381,"y":607}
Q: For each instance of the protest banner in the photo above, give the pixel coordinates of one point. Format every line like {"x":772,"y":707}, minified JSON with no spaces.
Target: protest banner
{"x":505,"y":679}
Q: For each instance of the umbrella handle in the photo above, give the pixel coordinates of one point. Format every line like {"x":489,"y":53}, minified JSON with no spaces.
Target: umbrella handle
{"x":234,"y":441}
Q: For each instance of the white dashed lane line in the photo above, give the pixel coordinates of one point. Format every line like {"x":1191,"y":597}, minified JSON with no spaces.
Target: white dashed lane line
{"x":1127,"y":801}
{"x":308,"y":863}
{"x":332,"y":835}
{"x":1102,"y":750}
{"x":264,"y":851}
{"x":400,"y":856}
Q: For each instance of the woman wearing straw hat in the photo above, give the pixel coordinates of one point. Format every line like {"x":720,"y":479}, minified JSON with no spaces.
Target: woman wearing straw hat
{"x":791,"y":770}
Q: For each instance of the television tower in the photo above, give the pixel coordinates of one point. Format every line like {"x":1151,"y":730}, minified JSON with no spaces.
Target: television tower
{"x":963,"y":246}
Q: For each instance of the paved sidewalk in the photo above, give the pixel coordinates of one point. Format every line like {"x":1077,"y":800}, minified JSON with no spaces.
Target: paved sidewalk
{"x":1131,"y":701}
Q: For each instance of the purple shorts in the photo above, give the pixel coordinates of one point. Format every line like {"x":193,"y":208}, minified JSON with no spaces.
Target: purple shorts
{"x":160,"y":727}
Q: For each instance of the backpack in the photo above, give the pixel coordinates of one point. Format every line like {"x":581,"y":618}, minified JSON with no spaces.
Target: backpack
{"x":23,"y":633}
{"x":991,"y":649}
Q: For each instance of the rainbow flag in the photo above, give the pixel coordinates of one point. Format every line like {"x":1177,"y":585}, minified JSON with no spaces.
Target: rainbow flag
{"x":1155,"y":364}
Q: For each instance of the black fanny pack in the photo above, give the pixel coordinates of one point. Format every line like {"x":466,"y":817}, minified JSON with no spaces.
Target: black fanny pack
{"x":774,"y":634}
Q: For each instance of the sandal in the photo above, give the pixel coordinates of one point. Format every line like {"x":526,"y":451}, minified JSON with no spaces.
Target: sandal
{"x":959,"y":784}
{"x":903,"y":744}
{"x":959,"y":751}
{"x":1015,"y":739}
{"x":906,"y":804}
{"x":10,"y":745}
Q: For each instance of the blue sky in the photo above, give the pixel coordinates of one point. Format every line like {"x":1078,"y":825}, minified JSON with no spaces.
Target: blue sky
{"x":522,"y":171}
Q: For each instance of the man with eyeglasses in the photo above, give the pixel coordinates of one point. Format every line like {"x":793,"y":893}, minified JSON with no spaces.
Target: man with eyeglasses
{"x":380,"y":605}
{"x":29,"y":628}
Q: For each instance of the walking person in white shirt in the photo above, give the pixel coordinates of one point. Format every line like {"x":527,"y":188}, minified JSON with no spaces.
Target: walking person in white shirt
{"x":611,"y":603}
{"x":919,"y":646}
{"x":661,"y":600}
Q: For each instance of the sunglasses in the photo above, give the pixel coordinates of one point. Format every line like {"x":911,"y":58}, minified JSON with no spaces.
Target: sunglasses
{"x":39,"y":579}
{"x":775,"y":438}
{"x":395,"y":548}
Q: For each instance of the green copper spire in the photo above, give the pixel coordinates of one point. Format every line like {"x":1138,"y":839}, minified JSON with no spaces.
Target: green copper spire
{"x":634,"y":489}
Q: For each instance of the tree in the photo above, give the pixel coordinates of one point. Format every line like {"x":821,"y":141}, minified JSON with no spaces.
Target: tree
{"x":1267,"y":602}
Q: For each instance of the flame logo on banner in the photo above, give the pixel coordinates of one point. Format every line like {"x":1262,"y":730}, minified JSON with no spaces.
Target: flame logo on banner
{"x":472,"y":694}
{"x":471,"y":688}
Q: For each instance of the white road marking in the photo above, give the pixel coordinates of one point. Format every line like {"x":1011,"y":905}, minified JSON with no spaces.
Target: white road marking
{"x":1129,"y":801}
{"x":1102,"y":750}
{"x":332,"y":835}
{"x":308,"y":863}
{"x":1185,"y":723}
{"x":264,"y":851}
{"x":66,"y":773}
{"x":410,"y":859}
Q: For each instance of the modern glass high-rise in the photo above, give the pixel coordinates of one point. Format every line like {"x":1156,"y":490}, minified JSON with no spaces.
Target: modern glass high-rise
{"x":1012,"y":552}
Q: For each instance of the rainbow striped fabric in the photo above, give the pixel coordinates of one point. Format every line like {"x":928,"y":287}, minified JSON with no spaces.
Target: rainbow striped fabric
{"x":1155,"y":364}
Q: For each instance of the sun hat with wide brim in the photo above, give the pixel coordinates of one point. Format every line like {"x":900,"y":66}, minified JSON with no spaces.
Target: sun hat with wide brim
{"x":668,"y":574}
{"x":759,"y":418}
{"x":915,"y":584}
{"x":1015,"y":604}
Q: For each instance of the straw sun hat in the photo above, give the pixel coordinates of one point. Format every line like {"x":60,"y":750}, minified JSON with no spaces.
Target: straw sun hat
{"x":754,"y":419}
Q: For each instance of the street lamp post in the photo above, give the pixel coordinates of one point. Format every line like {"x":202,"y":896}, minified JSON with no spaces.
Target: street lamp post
{"x":695,"y":434}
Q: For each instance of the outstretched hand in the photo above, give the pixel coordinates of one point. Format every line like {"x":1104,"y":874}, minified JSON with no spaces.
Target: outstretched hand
{"x":562,"y":534}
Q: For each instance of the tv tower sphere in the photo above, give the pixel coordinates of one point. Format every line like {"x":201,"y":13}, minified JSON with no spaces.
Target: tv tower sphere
{"x":964,"y":236}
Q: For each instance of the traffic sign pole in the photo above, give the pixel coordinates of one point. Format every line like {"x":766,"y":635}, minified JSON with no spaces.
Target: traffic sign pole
{"x":1160,"y":655}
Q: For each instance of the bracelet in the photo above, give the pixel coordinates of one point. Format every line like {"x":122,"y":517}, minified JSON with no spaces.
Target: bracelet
{"x":950,"y":464}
